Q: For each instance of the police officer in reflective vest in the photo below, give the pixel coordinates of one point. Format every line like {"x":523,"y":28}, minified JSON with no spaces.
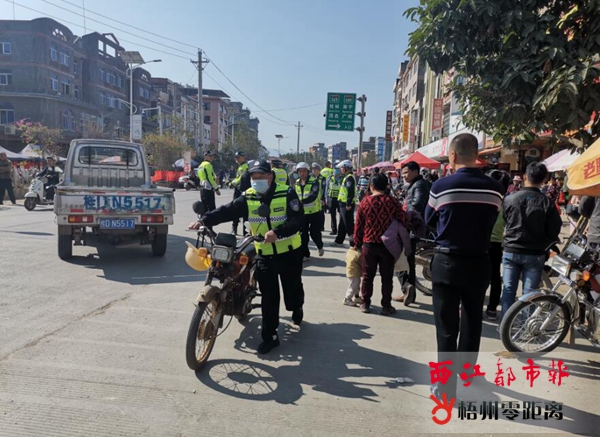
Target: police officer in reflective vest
{"x":316,"y":171}
{"x":275,"y":213}
{"x":347,"y":199}
{"x":333,"y":190}
{"x":240,"y":159}
{"x":281,"y":176}
{"x":208,"y":181}
{"x":309,"y":193}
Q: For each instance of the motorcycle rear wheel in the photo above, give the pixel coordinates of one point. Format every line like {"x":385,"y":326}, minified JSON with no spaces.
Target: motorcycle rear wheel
{"x":521,"y":325}
{"x":423,"y":271}
{"x":202,"y":333}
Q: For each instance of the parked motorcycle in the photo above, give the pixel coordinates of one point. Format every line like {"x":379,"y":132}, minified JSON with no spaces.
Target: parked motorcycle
{"x":37,"y":192}
{"x":539,"y":321}
{"x":233,"y":264}
{"x":188,"y":183}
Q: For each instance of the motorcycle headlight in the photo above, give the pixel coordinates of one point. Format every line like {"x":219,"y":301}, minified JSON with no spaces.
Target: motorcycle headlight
{"x":561,"y":265}
{"x":222,"y":254}
{"x":575,"y":275}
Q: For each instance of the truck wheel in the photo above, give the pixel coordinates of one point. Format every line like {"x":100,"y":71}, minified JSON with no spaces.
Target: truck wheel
{"x":159,"y":245}
{"x":65,"y":243}
{"x":30,"y":203}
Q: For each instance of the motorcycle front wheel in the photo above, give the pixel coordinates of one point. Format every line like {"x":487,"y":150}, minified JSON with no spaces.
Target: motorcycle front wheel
{"x":521,"y":327}
{"x":30,"y":203}
{"x":202,"y":333}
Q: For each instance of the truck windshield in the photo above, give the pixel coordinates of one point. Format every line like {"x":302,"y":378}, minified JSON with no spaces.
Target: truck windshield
{"x":100,"y":155}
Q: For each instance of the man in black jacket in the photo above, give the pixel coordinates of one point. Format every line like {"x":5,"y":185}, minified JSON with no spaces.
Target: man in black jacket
{"x":416,"y":200}
{"x":532,"y":224}
{"x":53,"y":177}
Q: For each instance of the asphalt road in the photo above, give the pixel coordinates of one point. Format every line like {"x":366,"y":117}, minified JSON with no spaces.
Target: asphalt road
{"x":95,"y":347}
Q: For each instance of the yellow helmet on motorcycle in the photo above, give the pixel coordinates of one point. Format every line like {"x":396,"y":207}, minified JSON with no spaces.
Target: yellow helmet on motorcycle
{"x":197,"y":259}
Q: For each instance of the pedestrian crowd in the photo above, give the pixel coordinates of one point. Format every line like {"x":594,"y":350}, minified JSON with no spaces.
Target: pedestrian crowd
{"x":480,"y":224}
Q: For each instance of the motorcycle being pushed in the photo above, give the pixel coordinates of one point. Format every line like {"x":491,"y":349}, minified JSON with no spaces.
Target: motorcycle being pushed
{"x":231,"y":264}
{"x":539,"y":321}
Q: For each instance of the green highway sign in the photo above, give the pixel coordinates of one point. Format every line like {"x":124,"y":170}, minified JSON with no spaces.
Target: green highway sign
{"x":341,"y":108}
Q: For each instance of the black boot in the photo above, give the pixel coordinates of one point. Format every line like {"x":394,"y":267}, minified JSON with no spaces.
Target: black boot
{"x":267,"y":346}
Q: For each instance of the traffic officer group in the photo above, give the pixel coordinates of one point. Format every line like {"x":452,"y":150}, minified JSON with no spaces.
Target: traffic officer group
{"x":208,"y":181}
{"x":309,"y":191}
{"x":276,"y":214}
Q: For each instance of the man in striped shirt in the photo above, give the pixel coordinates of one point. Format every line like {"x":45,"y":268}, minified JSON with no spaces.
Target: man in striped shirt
{"x":463,"y":207}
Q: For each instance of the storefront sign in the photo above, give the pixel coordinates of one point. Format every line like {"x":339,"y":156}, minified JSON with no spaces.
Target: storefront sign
{"x":388,"y":126}
{"x":405,"y":128}
{"x":437,"y":119}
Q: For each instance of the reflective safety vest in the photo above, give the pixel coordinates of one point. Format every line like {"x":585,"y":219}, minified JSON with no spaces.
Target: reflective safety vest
{"x":277,"y":216}
{"x":327,"y":172}
{"x":242,"y":168}
{"x":206,"y":174}
{"x":334,"y":187}
{"x":343,"y":196}
{"x":305,"y":191}
{"x":281,"y":176}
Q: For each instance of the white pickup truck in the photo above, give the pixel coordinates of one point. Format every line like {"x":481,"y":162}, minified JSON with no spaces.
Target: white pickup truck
{"x":107,"y":188}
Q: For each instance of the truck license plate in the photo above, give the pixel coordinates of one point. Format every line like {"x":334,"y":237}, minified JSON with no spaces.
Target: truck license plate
{"x":117,"y":223}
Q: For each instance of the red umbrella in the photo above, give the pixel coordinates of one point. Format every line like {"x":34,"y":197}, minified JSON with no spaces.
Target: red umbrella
{"x":420,"y":159}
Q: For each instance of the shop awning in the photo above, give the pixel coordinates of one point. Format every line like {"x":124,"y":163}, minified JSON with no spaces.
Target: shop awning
{"x":420,"y":159}
{"x":560,"y":160}
{"x":490,"y":151}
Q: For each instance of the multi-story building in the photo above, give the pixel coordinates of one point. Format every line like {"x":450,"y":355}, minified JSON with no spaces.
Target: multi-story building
{"x":319,"y":151}
{"x":49,"y":75}
{"x":337,"y":152}
{"x":409,"y":91}
{"x":240,"y":115}
{"x":216,"y":114}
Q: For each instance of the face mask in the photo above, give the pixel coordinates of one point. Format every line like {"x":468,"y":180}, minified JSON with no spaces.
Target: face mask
{"x":260,"y":185}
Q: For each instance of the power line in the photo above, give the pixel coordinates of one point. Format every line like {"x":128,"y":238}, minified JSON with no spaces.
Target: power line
{"x":246,"y":95}
{"x":296,"y":107}
{"x":80,"y":26}
{"x":116,"y":28}
{"x":132,"y":26}
{"x":279,"y":121}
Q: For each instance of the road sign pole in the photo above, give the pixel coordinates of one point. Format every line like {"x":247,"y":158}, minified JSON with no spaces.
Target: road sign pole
{"x":362,"y":114}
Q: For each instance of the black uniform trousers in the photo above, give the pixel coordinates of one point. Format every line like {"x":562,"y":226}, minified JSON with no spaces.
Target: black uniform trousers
{"x":459,"y":284}
{"x":333,"y":210}
{"x":496,"y":277}
{"x":237,"y":193}
{"x":270,"y":269}
{"x":313,"y":224}
{"x":346,"y":226}
{"x":208,"y":198}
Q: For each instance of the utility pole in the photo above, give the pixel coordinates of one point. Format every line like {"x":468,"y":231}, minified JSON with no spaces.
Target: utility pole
{"x":299,"y":126}
{"x":362,"y":114}
{"x":200,"y":125}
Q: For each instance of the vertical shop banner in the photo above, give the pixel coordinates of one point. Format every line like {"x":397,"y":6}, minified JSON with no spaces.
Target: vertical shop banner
{"x":388,"y":126}
{"x":437,"y":119}
{"x":405,"y":128}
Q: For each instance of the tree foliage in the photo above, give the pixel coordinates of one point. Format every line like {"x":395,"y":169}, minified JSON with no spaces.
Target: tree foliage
{"x":520,"y":67}
{"x":245,"y":140}
{"x":163,"y":150}
{"x":44,"y":136}
{"x":369,"y":160}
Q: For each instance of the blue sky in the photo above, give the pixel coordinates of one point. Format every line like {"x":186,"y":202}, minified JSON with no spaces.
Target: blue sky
{"x":282,"y":54}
